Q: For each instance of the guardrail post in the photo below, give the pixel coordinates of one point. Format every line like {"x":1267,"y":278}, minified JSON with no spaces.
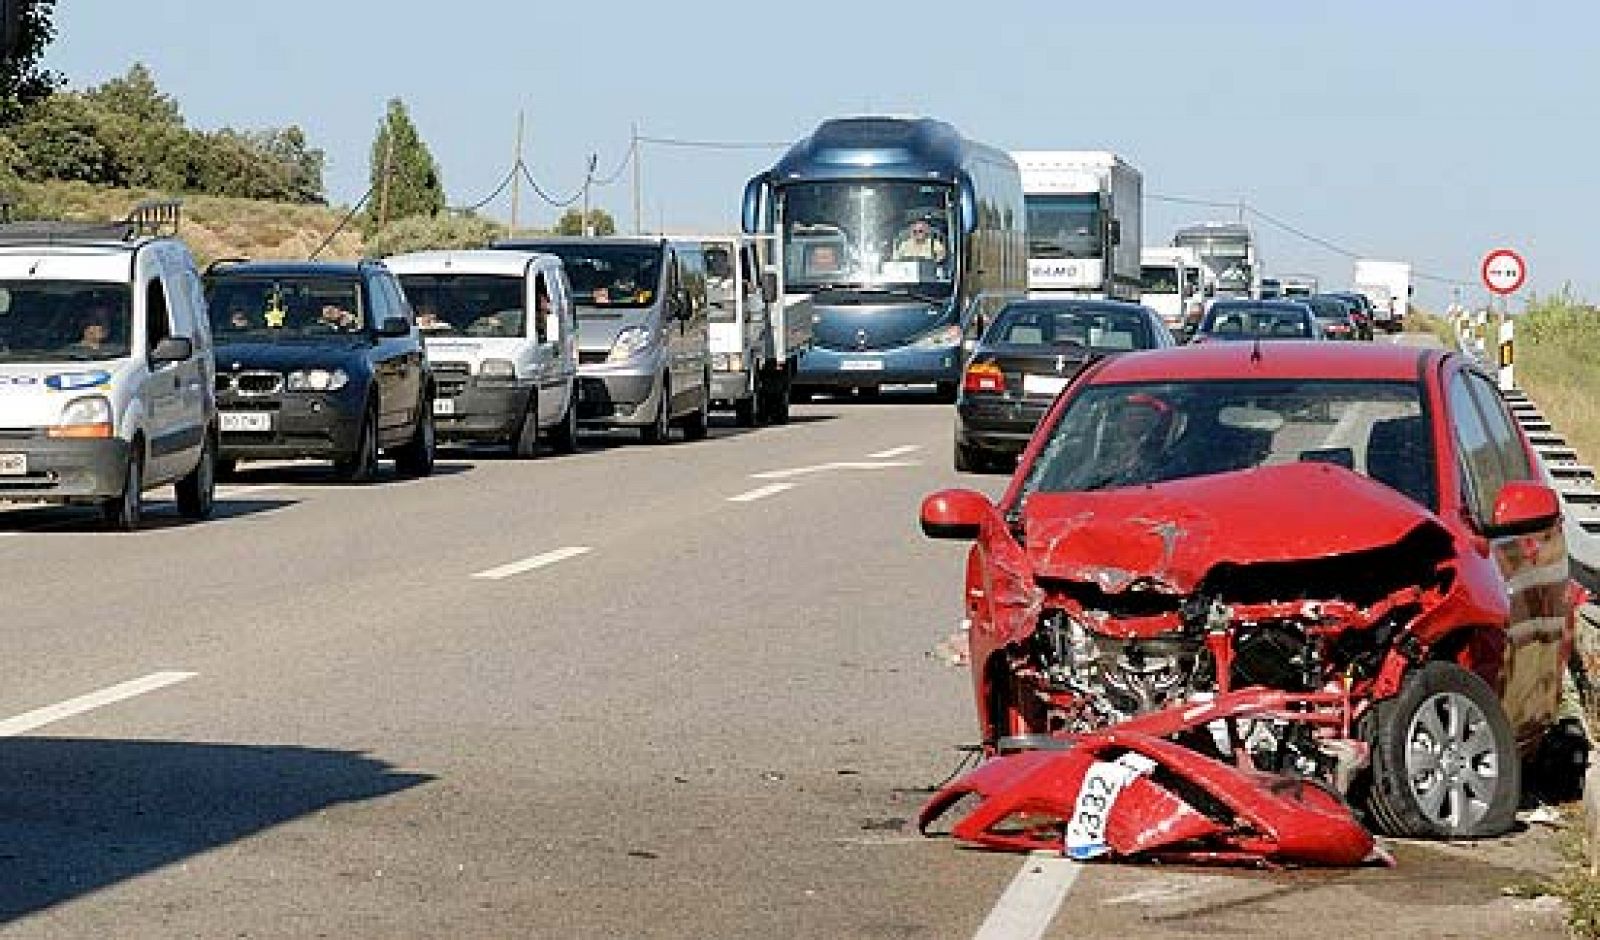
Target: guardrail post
{"x":1507,"y":354}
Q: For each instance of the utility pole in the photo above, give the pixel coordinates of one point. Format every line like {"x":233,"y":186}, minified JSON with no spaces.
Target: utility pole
{"x":388,"y":174}
{"x":638,"y":192}
{"x":588,"y":177}
{"x":516,"y":177}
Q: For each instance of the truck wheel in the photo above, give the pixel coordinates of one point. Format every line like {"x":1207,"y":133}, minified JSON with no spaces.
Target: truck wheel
{"x":659,"y":431}
{"x":1444,"y":760}
{"x":946,"y":393}
{"x":126,"y":511}
{"x":416,"y":457}
{"x":361,"y":465}
{"x":197,"y":492}
{"x":698,"y":424}
{"x":525,"y":442}
{"x":564,"y":436}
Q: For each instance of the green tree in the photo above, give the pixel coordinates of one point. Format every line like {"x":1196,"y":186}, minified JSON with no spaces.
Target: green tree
{"x":600,"y":222}
{"x":23,"y":80}
{"x":61,"y":141}
{"x":414,"y":186}
{"x":135,"y":95}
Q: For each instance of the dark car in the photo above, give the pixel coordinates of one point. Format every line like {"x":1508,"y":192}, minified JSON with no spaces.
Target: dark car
{"x":1350,"y":544}
{"x":1030,"y":351}
{"x":1258,"y":319}
{"x":1333,"y":315}
{"x":1360,"y":308}
{"x":320,"y":360}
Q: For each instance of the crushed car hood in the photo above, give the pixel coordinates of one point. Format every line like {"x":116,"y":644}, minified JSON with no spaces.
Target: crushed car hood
{"x":1165,"y":537}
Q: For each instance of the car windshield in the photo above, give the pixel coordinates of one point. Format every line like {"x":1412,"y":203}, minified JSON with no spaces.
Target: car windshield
{"x":1132,"y":435}
{"x":45,"y":321}
{"x":467,"y":304}
{"x":1064,"y":226}
{"x":268,"y":309}
{"x":1326,"y":308}
{"x":1251,"y":321}
{"x":606,"y":277}
{"x":1158,"y":279}
{"x":867,"y":234}
{"x":1092,"y":326}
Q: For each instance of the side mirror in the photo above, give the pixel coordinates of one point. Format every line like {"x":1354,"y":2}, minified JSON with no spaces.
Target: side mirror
{"x":750,"y":217}
{"x":172,"y":349}
{"x":968,"y":206}
{"x":1523,"y":508}
{"x":394,"y":327}
{"x":955,"y":514}
{"x":1116,"y":231}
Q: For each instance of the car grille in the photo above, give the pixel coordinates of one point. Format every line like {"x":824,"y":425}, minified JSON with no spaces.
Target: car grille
{"x":250,"y":383}
{"x":450,"y":378}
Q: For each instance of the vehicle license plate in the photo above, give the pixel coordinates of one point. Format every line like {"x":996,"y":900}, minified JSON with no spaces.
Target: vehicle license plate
{"x":1086,"y":832}
{"x":13,"y":465}
{"x":247,"y":421}
{"x":1044,"y":384}
{"x":862,"y":365}
{"x":444,"y":406}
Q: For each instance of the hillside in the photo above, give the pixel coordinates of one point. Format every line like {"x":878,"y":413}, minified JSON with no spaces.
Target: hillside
{"x":213,"y":226}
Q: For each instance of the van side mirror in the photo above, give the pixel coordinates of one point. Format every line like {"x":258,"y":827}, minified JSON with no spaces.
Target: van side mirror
{"x":394,"y":327}
{"x":172,"y":349}
{"x":1115,"y":232}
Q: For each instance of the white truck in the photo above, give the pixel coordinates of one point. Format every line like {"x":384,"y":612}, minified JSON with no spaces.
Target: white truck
{"x":1298,"y":285}
{"x":756,"y":341}
{"x":1388,"y":285}
{"x":1171,"y":284}
{"x":1085,"y":222}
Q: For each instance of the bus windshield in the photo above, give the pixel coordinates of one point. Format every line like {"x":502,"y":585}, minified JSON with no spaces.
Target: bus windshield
{"x":866,"y":233}
{"x":1064,"y":226}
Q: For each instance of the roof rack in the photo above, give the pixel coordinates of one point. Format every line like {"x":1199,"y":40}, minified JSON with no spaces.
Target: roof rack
{"x":148,"y":219}
{"x":223,"y":262}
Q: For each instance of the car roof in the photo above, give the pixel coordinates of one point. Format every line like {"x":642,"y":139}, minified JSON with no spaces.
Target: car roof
{"x":467,"y":261}
{"x":290,"y":268}
{"x":1280,"y":359}
{"x":1074,"y":303}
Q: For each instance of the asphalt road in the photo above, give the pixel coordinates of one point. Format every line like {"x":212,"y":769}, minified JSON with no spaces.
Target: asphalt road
{"x":417,"y":709}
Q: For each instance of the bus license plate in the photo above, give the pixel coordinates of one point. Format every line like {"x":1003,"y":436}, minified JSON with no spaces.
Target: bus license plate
{"x":862,"y":365}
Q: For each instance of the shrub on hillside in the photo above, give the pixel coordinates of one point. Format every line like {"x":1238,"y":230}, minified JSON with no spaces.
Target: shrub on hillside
{"x":1563,"y":319}
{"x":423,"y":233}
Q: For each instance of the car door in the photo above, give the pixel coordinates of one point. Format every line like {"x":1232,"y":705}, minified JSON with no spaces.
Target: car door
{"x":187,"y":312}
{"x":561,"y":327}
{"x":675,"y":312}
{"x":391,"y":364}
{"x":163,"y":385}
{"x":1533,"y":567}
{"x":547,"y":370}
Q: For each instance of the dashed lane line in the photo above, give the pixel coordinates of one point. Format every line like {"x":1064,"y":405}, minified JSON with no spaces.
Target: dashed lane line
{"x":1029,"y":904}
{"x":762,"y":492}
{"x":39,"y":717}
{"x":532,"y":564}
{"x":792,"y":472}
{"x":894,"y":452}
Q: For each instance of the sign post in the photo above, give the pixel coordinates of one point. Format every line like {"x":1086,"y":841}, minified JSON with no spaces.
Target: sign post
{"x":1504,"y":273}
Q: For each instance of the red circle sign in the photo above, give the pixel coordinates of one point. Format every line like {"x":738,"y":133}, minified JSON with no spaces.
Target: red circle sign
{"x":1504,"y":271}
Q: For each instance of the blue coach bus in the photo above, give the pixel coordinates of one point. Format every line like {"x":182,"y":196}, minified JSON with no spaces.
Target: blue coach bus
{"x":890,"y":228}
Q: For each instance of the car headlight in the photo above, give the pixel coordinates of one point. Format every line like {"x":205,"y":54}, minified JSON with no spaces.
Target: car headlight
{"x":497,"y":369}
{"x":316,"y":380}
{"x":84,"y":417}
{"x":728,"y":362}
{"x":945,"y":336}
{"x":630,"y":341}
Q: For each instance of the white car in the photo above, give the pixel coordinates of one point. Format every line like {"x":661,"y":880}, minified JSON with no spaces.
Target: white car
{"x":106,"y":371}
{"x":503,"y":339}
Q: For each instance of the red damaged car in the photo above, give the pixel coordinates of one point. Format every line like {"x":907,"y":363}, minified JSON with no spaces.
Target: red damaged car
{"x":1248,"y":602}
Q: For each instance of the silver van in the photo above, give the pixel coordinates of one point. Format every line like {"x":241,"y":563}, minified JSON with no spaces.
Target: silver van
{"x":644,"y":357}
{"x":502,"y":337}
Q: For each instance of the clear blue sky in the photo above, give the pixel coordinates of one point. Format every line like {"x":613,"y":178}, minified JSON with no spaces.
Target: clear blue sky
{"x":1418,"y":129}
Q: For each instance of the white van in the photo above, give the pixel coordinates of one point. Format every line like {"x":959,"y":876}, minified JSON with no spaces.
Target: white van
{"x":106,"y":370}
{"x":503,"y":340}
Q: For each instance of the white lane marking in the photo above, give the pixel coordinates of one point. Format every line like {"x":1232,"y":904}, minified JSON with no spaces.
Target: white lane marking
{"x":531,"y":564}
{"x":836,"y":465}
{"x":230,"y":492}
{"x":39,"y":717}
{"x":762,"y":492}
{"x":1029,"y":904}
{"x":894,"y":452}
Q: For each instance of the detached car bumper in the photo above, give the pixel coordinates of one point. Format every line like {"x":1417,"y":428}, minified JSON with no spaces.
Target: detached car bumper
{"x":62,"y":470}
{"x":291,"y":426}
{"x":907,"y":365}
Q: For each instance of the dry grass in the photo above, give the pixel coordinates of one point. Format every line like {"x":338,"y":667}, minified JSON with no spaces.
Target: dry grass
{"x":213,"y":226}
{"x":1557,"y":361}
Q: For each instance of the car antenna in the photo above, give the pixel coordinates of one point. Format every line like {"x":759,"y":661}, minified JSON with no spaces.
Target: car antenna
{"x":1255,"y":349}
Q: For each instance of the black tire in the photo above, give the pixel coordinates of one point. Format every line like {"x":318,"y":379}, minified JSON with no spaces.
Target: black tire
{"x":564,"y":436}
{"x":659,"y":431}
{"x":966,"y":458}
{"x":799,"y":395}
{"x":1444,"y":759}
{"x":525,"y":442}
{"x":945,"y":392}
{"x":197,"y":492}
{"x":747,"y":412}
{"x":698,"y":425}
{"x":362,"y":465}
{"x":124,"y":512}
{"x":1556,"y":771}
{"x":415,"y":458}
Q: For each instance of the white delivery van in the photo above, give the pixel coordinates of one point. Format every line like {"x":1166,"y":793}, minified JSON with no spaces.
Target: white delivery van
{"x":106,"y":369}
{"x":502,"y":337}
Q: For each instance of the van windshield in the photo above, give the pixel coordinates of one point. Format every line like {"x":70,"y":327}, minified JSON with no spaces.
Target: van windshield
{"x":608,"y":276}
{"x":467,"y":304}
{"x":46,"y":321}
{"x":269,"y":309}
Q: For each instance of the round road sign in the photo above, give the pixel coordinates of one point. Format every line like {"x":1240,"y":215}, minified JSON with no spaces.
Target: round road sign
{"x":1504,"y":271}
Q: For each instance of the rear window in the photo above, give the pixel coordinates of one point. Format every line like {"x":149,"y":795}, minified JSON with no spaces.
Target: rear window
{"x":1091,"y":327}
{"x":1244,"y":321}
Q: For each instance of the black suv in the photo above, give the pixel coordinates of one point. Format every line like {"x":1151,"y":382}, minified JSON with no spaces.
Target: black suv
{"x":322,"y":360}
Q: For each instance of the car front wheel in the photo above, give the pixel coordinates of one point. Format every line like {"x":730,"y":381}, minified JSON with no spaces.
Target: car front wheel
{"x":126,"y":511}
{"x":361,"y":465}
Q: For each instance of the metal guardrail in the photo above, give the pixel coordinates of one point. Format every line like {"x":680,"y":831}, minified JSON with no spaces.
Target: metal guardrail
{"x":1559,"y":464}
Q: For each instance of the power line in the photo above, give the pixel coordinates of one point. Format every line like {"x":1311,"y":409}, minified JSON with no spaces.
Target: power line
{"x":627,"y":158}
{"x":539,"y":190}
{"x":343,"y":222}
{"x":715,"y":144}
{"x":505,"y":182}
